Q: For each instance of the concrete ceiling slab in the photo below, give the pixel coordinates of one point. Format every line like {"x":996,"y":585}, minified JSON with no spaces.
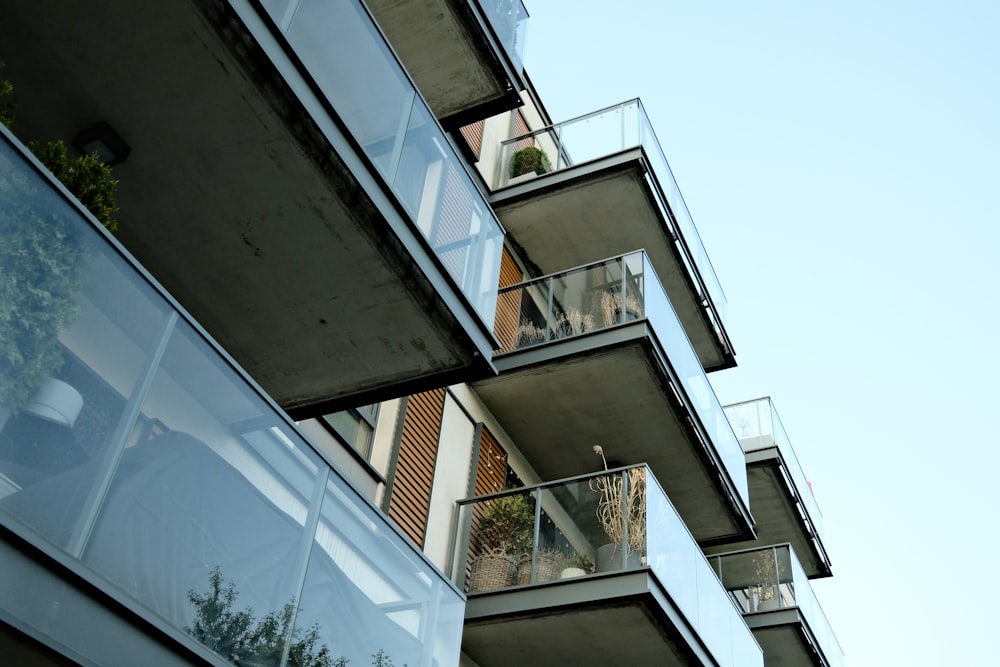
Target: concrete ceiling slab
{"x":236,"y":202}
{"x":586,"y":391}
{"x":445,"y":49}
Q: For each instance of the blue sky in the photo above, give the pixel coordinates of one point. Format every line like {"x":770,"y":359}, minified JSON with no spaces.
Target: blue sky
{"x":841,"y":163}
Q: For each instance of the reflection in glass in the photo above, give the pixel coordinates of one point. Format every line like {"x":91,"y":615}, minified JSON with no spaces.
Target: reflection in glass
{"x":153,"y":462}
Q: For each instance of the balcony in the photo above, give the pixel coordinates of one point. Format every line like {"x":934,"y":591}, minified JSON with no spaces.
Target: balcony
{"x":597,"y":355}
{"x":604,"y":187}
{"x":287,"y":184}
{"x":780,"y":607}
{"x":464,"y":55}
{"x":155,"y":506}
{"x":781,"y":498}
{"x":597,"y":569}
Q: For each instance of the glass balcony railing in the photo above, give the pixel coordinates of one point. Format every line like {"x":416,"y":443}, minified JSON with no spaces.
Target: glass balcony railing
{"x":592,"y":525}
{"x":600,"y":134}
{"x":769,"y":579}
{"x":606,"y":294}
{"x":346,"y":55}
{"x":128,"y":441}
{"x":509,"y":19}
{"x":757,"y":426}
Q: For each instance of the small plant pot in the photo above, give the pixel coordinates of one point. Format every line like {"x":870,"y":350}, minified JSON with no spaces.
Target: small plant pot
{"x":491,"y":571}
{"x":609,"y":558}
{"x":571,"y":572}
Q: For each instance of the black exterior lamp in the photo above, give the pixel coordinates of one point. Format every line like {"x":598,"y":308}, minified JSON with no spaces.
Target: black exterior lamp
{"x":102,"y":140}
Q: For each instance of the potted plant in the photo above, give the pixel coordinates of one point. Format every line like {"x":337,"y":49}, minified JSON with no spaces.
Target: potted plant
{"x":504,"y":532}
{"x":41,"y":259}
{"x":528,"y":334}
{"x":530,"y":160}
{"x":611,"y":308}
{"x":620,"y":508}
{"x":764,"y":594}
{"x":548,"y":565}
{"x":576,"y":565}
{"x":41,"y":264}
{"x":572,"y":323}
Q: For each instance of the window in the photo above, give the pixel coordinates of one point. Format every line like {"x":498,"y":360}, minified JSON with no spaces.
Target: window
{"x":355,"y":426}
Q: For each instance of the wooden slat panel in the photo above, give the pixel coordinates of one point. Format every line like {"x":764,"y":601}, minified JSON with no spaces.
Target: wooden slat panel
{"x":410,"y":496}
{"x":473,"y":135}
{"x":509,"y":303}
{"x":491,"y":473}
{"x":521,"y":127}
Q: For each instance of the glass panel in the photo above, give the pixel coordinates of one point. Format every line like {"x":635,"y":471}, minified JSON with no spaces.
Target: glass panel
{"x":606,"y":132}
{"x":364,"y":597}
{"x":597,"y":525}
{"x":77,"y":334}
{"x":155,"y":463}
{"x":214,"y":503}
{"x":345,"y":53}
{"x":670,"y":333}
{"x":509,"y":19}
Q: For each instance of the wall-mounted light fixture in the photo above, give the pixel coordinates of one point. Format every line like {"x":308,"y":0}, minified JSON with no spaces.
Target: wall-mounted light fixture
{"x":105,"y":142}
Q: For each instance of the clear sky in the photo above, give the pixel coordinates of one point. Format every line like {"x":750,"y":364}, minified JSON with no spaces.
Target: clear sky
{"x":841,"y":162}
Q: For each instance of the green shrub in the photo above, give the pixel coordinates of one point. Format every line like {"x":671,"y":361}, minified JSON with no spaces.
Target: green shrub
{"x":529,"y":160}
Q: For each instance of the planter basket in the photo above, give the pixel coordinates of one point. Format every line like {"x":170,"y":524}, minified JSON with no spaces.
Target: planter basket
{"x":549,"y":568}
{"x":491,"y":571}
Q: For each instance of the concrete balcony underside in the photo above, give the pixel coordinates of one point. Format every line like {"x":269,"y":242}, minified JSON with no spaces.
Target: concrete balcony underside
{"x":279,"y":240}
{"x":602,"y":208}
{"x":613,"y":388}
{"x":456,"y":64}
{"x":620,"y":620}
{"x":778,"y":516}
{"x":785,"y":638}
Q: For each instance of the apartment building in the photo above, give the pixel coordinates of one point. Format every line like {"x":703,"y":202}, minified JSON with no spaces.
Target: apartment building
{"x":382,"y":365}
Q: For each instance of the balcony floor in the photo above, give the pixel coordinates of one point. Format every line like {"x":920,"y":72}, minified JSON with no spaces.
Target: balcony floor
{"x":622,"y":620}
{"x":610,"y":388}
{"x":285,"y":247}
{"x":600,"y":209}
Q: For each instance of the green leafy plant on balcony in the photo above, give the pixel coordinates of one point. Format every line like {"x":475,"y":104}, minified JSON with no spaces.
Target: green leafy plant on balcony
{"x":505,"y":530}
{"x":529,"y":160}
{"x":41,"y":260}
{"x":6,"y":104}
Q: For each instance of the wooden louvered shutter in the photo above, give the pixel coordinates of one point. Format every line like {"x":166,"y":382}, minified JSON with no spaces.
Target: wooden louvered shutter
{"x":508,"y":303}
{"x":413,"y":476}
{"x":473,"y":135}
{"x":521,"y":128}
{"x":491,"y":469}
{"x":491,"y":474}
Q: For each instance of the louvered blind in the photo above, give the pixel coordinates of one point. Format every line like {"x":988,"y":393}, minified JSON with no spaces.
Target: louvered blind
{"x":410,"y":496}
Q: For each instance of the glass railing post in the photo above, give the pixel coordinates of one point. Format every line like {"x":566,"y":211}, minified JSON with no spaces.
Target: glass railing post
{"x":92,"y":505}
{"x":305,"y":551}
{"x":400,"y":139}
{"x":549,"y":315}
{"x":536,"y":535}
